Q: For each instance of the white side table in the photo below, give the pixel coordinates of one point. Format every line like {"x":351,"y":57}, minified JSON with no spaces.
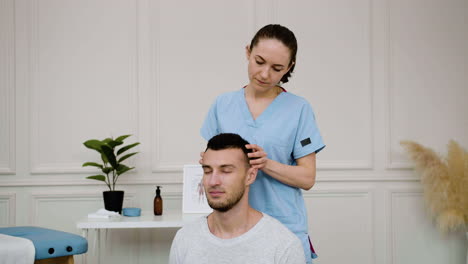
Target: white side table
{"x":169,"y":219}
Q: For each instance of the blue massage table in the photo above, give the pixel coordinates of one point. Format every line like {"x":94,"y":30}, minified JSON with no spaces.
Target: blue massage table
{"x":51,"y":246}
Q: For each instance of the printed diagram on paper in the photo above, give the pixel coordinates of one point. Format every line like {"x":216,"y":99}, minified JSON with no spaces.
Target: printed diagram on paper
{"x":194,"y":199}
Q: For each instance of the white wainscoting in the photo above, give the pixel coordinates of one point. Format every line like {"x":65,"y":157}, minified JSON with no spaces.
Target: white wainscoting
{"x":375,"y":71}
{"x":341,"y":224}
{"x":412,"y":232}
{"x":7,"y":209}
{"x":57,"y":209}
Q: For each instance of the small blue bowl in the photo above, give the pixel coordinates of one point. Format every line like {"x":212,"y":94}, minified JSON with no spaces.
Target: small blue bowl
{"x":131,"y":211}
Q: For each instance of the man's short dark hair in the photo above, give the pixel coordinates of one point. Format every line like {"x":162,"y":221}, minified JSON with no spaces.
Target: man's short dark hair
{"x":229,"y":141}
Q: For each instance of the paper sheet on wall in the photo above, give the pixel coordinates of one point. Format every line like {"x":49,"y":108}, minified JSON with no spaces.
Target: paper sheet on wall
{"x":193,"y":198}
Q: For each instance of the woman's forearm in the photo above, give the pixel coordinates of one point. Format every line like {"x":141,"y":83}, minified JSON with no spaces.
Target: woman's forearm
{"x":301,"y":175}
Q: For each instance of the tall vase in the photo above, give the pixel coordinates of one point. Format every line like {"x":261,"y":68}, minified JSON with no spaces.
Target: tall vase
{"x":113,"y":200}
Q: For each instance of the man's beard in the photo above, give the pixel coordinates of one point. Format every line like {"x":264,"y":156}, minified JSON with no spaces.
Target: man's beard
{"x":229,"y":203}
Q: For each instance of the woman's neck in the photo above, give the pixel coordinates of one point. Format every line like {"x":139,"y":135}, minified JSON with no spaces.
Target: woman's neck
{"x":271,"y":93}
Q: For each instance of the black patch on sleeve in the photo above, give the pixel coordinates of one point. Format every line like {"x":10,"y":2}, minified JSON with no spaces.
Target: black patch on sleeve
{"x":305,"y":142}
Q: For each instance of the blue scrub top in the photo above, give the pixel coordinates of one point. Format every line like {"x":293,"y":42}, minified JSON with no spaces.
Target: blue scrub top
{"x":286,"y":130}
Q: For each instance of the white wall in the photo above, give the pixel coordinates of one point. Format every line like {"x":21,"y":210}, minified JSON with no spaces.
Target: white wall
{"x":375,"y":71}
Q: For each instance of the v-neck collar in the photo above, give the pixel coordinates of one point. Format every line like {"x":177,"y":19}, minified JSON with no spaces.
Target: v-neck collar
{"x":264,"y":116}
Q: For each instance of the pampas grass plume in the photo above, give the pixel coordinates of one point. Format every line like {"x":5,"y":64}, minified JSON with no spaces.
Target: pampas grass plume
{"x":445,"y":183}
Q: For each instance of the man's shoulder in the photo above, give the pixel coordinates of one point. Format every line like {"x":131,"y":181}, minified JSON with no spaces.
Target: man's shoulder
{"x":195,"y":226}
{"x":277,"y":229}
{"x":281,"y":242}
{"x":270,"y":220}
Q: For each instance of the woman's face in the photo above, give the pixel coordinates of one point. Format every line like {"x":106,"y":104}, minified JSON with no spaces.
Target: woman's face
{"x":268,"y":62}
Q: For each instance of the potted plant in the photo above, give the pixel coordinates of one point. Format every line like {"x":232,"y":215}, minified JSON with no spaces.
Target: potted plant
{"x":445,"y":182}
{"x":111,"y":167}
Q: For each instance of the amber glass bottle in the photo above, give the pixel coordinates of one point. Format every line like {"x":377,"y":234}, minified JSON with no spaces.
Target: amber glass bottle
{"x":158,"y":202}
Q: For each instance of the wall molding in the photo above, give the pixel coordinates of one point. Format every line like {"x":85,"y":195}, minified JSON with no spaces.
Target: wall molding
{"x":38,"y":167}
{"x":345,"y":165}
{"x":365,"y":164}
{"x":38,"y":198}
{"x":367,"y":193}
{"x":177,"y":179}
{"x":392,"y":193}
{"x":368,"y":80}
{"x":155,"y":69}
{"x":10,"y":200}
{"x":7,"y":84}
{"x":389,"y":78}
{"x":371,"y":89}
{"x":159,"y":166}
{"x":266,"y":11}
{"x":340,"y":192}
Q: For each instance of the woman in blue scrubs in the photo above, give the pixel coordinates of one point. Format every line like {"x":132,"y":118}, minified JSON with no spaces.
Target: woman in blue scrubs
{"x":279,"y":125}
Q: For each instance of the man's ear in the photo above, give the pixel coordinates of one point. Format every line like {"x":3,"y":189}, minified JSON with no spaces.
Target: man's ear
{"x":251,"y":176}
{"x":247,"y":51}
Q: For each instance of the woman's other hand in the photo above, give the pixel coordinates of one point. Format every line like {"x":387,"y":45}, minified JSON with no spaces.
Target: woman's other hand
{"x":258,"y":157}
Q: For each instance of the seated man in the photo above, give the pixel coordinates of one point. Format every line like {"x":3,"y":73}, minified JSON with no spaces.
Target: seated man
{"x":234,"y":232}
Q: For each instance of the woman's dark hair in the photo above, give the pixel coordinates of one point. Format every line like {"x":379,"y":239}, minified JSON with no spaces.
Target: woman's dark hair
{"x":228,"y":141}
{"x":283,"y":34}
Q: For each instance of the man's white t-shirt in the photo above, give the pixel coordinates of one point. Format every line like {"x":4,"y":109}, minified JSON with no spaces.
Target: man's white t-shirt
{"x":268,"y":241}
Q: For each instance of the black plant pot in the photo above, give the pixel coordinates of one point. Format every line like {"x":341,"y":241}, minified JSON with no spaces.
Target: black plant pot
{"x":113,"y":200}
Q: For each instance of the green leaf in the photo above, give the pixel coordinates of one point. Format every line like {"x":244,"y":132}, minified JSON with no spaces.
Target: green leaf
{"x":94,"y":164}
{"x":104,"y":159}
{"x":107,"y":170}
{"x":127,"y":156}
{"x":114,"y":143}
{"x":93,"y":144}
{"x":122,"y":169}
{"x":106,"y":141}
{"x":109,"y":154}
{"x":121,"y":138}
{"x":97,"y":177}
{"x":123,"y":149}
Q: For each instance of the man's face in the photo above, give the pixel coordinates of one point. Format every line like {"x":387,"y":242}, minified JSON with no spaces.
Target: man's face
{"x":224,"y":177}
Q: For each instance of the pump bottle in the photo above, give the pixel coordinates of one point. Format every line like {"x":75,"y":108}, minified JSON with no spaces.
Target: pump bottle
{"x":158,"y":202}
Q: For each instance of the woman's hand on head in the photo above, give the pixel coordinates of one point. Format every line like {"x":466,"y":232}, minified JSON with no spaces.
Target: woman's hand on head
{"x":258,"y":157}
